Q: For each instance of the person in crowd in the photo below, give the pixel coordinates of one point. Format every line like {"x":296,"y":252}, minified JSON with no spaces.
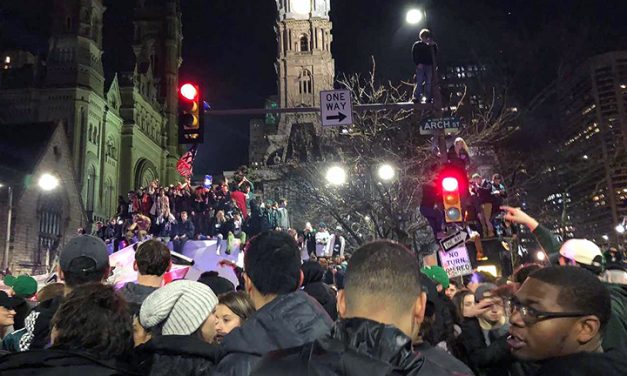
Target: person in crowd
{"x":180,"y":323}
{"x":91,"y":335}
{"x":146,"y":202}
{"x":283,"y":215}
{"x":200,"y":209}
{"x":499,"y":193}
{"x":163,"y":203}
{"x":582,"y":253}
{"x":481,"y":191}
{"x":152,"y":261}
{"x":22,"y":288}
{"x":113,"y":233}
{"x":313,"y":273}
{"x":240,"y":195}
{"x":613,"y":256}
{"x":431,"y":205}
{"x":378,"y":324}
{"x":459,"y":156}
{"x":233,"y":309}
{"x":464,"y":300}
{"x":235,"y":232}
{"x":452,"y":289}
{"x":442,"y":330}
{"x":133,"y":204}
{"x":122,"y":210}
{"x":285,"y":317}
{"x":424,"y":52}
{"x":140,"y":227}
{"x":521,"y":274}
{"x":484,"y":337}
{"x":7,"y":312}
{"x":339,"y":244}
{"x":84,"y":259}
{"x":323,"y":237}
{"x":100,"y":231}
{"x":309,"y":240}
{"x":219,"y":285}
{"x":184,"y":231}
{"x":166,"y":225}
{"x":557,"y":319}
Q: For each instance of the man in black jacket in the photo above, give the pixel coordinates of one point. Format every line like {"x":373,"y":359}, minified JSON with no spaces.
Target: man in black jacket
{"x":423,"y":53}
{"x":184,"y":232}
{"x":382,"y":307}
{"x":285,"y":317}
{"x":557,"y":318}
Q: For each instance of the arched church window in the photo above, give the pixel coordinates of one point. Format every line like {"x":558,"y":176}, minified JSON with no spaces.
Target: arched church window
{"x":304,"y":43}
{"x":304,"y":82}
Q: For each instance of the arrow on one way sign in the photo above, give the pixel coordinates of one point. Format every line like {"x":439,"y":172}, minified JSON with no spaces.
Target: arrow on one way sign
{"x":339,"y":117}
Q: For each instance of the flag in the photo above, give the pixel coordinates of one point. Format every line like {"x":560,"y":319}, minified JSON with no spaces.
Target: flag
{"x":185,"y":165}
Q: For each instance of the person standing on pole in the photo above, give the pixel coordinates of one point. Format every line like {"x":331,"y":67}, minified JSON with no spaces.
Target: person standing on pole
{"x":424,"y":52}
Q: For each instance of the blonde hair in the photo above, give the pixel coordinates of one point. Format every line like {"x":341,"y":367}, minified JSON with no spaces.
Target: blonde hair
{"x":464,"y":146}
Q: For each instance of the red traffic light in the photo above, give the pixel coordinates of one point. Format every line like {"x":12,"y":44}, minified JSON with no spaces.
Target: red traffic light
{"x":189,"y":91}
{"x":450,"y":184}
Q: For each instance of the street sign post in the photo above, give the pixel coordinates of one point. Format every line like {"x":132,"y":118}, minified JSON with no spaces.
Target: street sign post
{"x":456,"y":261}
{"x":454,"y":240}
{"x":336,"y":107}
{"x":447,"y":124}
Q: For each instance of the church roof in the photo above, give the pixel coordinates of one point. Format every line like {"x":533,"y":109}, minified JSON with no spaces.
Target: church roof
{"x":22,"y":147}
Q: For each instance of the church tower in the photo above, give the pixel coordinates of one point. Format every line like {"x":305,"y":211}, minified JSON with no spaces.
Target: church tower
{"x":75,"y":48}
{"x":304,"y":64}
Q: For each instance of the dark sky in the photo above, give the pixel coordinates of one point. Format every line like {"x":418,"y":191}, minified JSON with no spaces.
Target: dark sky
{"x":229,"y":47}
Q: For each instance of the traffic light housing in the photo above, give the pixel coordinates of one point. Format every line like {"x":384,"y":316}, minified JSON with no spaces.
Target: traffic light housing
{"x":451,"y":198}
{"x":191,"y":127}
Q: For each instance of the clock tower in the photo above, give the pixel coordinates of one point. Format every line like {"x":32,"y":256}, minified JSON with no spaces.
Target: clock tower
{"x":304,"y":63}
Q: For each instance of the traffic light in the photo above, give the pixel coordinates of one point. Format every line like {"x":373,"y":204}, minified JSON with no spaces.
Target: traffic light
{"x":451,"y":198}
{"x":191,"y":128}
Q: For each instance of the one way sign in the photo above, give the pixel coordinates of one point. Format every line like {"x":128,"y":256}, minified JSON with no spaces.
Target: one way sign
{"x":336,"y":108}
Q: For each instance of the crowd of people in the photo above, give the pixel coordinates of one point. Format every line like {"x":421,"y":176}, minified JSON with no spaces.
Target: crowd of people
{"x":372,"y":312}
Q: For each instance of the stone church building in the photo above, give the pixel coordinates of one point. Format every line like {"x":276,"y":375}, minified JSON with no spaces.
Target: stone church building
{"x":110,"y":76}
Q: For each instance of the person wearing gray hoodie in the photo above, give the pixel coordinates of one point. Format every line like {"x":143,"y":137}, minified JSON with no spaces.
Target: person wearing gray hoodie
{"x":152,"y":261}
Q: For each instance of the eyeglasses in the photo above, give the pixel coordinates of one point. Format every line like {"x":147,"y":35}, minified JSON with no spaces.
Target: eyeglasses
{"x":531,"y":316}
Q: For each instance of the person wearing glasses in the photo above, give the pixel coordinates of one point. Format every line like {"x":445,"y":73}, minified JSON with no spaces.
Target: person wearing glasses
{"x":557,"y":319}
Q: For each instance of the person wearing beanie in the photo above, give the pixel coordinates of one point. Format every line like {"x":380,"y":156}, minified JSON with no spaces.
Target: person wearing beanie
{"x":180,"y":323}
{"x":438,"y":275}
{"x":22,"y":288}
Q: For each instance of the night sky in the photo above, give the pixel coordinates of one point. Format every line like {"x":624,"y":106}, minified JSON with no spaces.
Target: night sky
{"x":229,"y":47}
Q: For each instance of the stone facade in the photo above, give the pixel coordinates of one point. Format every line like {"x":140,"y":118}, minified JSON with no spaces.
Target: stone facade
{"x":40,"y":218}
{"x":120,"y":119}
{"x":305,"y":66}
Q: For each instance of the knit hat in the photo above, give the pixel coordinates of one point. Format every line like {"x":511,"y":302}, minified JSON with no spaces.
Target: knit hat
{"x":482,"y":289}
{"x":24,"y":286}
{"x":437,"y":274}
{"x":179,"y":308}
{"x":7,"y":301}
{"x":585,"y":253}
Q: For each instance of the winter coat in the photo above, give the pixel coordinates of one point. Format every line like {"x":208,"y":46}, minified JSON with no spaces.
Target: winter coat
{"x":611,"y":363}
{"x":615,"y":335}
{"x":135,"y":293}
{"x":441,"y":358}
{"x":59,"y":363}
{"x":283,"y":218}
{"x":287,"y":321}
{"x":184,"y":228}
{"x":313,"y":285}
{"x":494,"y":359}
{"x":354,"y":347}
{"x":37,"y":324}
{"x":175,"y":355}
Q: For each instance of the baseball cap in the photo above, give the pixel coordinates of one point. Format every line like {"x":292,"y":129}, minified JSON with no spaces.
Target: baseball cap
{"x":84,"y":246}
{"x":437,"y":274}
{"x":24,"y":286}
{"x":585,"y":253}
{"x":7,"y":301}
{"x":482,"y":289}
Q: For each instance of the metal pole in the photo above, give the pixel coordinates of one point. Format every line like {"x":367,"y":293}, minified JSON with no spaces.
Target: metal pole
{"x":5,"y":263}
{"x":357,"y":108}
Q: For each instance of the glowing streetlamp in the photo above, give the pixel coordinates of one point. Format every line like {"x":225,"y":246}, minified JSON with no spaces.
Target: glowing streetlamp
{"x":48,"y":182}
{"x":336,"y":175}
{"x":386,"y":172}
{"x":414,"y":16}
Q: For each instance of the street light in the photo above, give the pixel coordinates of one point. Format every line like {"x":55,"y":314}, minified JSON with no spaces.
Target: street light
{"x":48,"y":182}
{"x":386,"y":172}
{"x":336,"y":175}
{"x":620,"y":228}
{"x":414,"y":16}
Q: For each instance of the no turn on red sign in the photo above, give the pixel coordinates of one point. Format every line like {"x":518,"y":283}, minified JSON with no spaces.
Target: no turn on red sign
{"x":336,"y":108}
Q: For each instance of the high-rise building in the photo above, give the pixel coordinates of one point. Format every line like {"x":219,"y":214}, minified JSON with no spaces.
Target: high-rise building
{"x":591,"y":163}
{"x":111,"y":77}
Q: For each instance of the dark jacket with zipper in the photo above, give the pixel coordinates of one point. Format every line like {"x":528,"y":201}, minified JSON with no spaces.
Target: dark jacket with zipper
{"x":287,"y":321}
{"x":489,"y":359}
{"x":175,"y":355}
{"x":355,"y":347}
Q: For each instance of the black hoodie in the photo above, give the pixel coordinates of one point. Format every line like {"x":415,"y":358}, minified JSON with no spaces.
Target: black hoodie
{"x":313,"y":273}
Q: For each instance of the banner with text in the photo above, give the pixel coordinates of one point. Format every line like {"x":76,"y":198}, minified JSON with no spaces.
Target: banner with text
{"x":456,"y":262}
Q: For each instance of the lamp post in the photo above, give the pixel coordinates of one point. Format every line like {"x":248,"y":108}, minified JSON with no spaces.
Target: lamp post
{"x":414,"y":16}
{"x":336,"y":175}
{"x":386,"y":172}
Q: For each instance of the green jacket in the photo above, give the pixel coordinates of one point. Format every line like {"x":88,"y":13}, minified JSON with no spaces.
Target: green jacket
{"x":615,"y":336}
